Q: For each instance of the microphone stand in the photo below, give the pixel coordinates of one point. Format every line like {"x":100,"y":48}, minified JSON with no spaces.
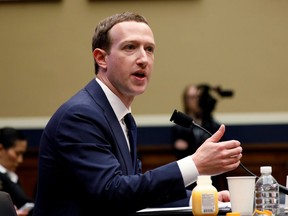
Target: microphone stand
{"x":186,"y":121}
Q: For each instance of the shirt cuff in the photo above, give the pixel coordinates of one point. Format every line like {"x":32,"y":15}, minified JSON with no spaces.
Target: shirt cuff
{"x":188,"y":170}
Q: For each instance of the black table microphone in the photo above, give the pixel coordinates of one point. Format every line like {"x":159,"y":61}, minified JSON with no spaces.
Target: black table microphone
{"x":186,"y":121}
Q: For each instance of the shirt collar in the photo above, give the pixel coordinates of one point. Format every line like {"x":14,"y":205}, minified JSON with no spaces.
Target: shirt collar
{"x":2,"y":169}
{"x":117,"y":105}
{"x":12,"y":175}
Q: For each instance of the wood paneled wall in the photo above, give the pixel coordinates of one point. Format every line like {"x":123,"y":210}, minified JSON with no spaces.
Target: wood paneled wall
{"x":254,"y":156}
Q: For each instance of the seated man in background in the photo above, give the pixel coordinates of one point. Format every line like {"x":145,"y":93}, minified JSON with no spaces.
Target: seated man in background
{"x":13,"y":145}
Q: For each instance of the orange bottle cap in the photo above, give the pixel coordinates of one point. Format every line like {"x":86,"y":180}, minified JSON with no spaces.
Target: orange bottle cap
{"x":232,"y":214}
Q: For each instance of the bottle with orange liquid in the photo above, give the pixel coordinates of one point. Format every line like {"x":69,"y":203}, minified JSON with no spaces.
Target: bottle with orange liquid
{"x":204,"y":197}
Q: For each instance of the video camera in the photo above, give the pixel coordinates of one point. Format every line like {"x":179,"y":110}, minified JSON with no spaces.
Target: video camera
{"x":207,"y":102}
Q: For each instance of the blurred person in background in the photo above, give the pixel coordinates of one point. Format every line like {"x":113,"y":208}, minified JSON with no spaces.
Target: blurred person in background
{"x":13,"y":145}
{"x":199,"y":103}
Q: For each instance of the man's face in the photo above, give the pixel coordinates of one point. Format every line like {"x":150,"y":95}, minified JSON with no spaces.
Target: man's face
{"x":131,"y":58}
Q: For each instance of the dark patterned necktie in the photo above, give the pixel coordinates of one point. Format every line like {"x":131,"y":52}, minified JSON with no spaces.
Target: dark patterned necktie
{"x":132,"y":134}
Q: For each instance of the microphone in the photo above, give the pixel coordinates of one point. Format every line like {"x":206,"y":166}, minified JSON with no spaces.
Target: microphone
{"x":186,"y":121}
{"x":223,"y":93}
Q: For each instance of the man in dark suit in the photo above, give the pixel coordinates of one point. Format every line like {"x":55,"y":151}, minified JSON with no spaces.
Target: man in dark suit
{"x":86,"y":163}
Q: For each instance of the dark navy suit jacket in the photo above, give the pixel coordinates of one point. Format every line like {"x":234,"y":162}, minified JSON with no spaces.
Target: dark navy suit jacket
{"x":85,"y":167}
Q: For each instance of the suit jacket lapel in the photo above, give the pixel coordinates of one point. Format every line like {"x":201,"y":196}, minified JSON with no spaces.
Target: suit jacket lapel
{"x":100,"y":98}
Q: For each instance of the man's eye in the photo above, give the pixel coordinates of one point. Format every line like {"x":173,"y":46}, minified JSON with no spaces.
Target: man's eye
{"x":130,"y":47}
{"x":150,"y":49}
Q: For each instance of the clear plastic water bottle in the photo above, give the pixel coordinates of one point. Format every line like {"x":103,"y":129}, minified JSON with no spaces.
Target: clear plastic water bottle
{"x":266,"y":193}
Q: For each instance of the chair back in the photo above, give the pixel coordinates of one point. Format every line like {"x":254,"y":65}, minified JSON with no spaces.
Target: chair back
{"x":7,"y":207}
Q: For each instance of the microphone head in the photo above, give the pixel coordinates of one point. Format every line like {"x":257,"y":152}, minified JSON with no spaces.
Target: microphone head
{"x":181,"y":119}
{"x":226,"y":93}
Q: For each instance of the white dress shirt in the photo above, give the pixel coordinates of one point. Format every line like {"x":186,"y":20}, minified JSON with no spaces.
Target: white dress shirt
{"x":118,"y":107}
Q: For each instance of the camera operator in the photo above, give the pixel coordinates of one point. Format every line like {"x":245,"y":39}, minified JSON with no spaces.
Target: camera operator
{"x":198,"y":103}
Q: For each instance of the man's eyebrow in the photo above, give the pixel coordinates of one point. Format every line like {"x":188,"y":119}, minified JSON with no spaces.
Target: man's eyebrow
{"x":137,"y":41}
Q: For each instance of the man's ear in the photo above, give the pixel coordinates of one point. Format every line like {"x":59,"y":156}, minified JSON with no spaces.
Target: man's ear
{"x":100,"y":57}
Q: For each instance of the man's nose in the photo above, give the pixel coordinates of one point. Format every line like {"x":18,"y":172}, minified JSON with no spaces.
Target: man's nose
{"x":142,"y":56}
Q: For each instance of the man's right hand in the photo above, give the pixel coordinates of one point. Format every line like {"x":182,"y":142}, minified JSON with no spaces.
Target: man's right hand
{"x":214,"y":157}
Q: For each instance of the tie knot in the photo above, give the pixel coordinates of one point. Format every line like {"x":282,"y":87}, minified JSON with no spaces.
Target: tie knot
{"x":129,"y":121}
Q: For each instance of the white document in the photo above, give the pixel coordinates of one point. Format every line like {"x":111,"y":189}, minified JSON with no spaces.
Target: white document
{"x":225,"y":206}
